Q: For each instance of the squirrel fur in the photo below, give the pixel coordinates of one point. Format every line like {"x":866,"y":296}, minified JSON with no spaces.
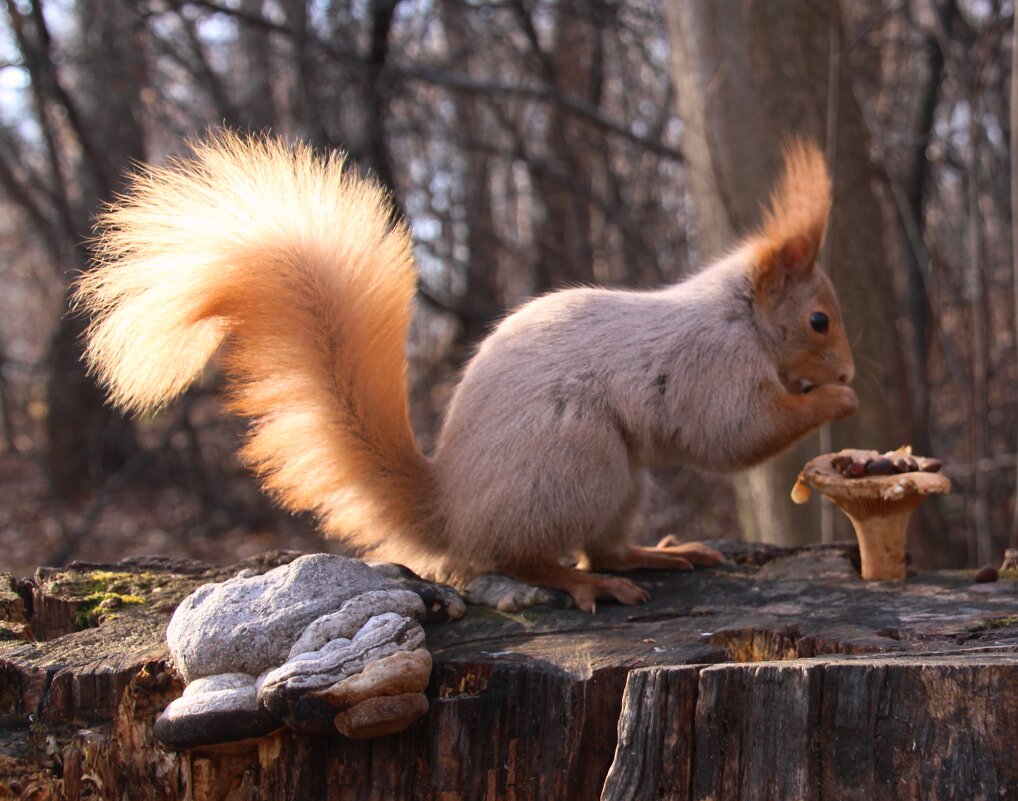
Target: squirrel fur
{"x":290,"y":268}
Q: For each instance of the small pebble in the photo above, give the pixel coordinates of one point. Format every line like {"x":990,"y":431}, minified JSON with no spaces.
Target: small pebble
{"x":986,"y":574}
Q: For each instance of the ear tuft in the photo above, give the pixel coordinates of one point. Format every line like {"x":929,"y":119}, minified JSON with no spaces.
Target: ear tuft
{"x":793,"y":226}
{"x":797,"y":253}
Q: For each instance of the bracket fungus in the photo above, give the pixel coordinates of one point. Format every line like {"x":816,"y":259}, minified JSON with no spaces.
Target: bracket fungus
{"x":877,"y":492}
{"x":322,"y":644}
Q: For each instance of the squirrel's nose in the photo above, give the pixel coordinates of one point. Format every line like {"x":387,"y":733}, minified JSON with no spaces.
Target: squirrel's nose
{"x":845,"y":378}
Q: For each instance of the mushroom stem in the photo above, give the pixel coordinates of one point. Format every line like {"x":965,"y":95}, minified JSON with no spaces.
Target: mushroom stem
{"x":878,"y":505}
{"x":882,"y":543}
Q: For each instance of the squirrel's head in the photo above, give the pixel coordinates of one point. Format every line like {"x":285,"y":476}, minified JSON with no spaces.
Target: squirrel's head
{"x":799,"y":313}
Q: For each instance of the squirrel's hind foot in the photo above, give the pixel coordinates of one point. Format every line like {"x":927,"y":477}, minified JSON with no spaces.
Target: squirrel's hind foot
{"x":668,"y":554}
{"x":695,"y":552}
{"x":583,"y":588}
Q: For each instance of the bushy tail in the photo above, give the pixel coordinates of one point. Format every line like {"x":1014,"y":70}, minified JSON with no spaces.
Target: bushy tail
{"x":293,"y":267}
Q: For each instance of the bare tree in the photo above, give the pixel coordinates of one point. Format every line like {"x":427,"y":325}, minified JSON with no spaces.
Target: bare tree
{"x":748,"y":76}
{"x":1013,"y":116}
{"x":534,"y":144}
{"x":86,"y":440}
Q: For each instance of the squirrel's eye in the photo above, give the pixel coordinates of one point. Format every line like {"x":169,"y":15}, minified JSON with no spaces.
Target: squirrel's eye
{"x":819,"y":322}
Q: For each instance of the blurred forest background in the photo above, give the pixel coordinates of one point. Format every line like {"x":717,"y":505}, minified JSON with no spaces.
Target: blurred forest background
{"x":532,"y":144}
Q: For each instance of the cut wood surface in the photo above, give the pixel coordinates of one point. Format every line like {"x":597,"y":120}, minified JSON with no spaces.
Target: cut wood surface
{"x":781,"y":676}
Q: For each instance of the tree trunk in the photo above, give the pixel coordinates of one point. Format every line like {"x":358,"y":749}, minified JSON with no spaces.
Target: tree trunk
{"x":750,"y":73}
{"x":256,"y":57}
{"x":765,"y":692}
{"x":6,"y":421}
{"x":572,"y":160}
{"x":86,"y":439}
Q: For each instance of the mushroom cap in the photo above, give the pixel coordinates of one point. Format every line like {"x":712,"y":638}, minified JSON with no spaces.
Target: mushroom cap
{"x":867,"y":496}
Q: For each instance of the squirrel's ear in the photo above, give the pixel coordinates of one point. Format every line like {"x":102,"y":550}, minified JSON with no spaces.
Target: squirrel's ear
{"x":797,"y":254}
{"x":776,"y":265}
{"x":787,"y":244}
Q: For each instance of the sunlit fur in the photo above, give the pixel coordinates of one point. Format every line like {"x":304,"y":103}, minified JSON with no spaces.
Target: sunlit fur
{"x":801,"y":201}
{"x":293,"y":267}
{"x":564,"y":405}
{"x":788,"y":287}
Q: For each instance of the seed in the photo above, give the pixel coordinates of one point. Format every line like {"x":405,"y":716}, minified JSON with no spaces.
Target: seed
{"x":887,"y":464}
{"x":881,"y":466}
{"x":986,"y":574}
{"x":841,"y":461}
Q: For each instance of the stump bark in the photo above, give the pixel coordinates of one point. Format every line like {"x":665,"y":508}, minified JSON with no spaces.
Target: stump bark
{"x":782,"y":676}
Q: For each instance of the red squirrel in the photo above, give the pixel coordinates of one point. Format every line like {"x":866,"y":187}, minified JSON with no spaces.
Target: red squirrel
{"x":290,"y":268}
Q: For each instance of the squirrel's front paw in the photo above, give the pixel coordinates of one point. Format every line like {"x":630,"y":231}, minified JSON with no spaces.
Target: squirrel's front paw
{"x":836,"y":401}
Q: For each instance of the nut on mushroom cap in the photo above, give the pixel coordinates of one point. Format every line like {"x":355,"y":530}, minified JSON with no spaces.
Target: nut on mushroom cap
{"x":821,"y":475}
{"x":878,"y":505}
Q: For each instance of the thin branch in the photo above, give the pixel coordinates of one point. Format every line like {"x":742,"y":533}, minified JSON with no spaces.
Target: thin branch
{"x":36,"y":61}
{"x":200,"y":66}
{"x":979,"y":433}
{"x":1014,"y":221}
{"x":459,"y":82}
{"x":914,"y":234}
{"x":464,"y":312}
{"x":831,"y":154}
{"x":248,"y":17}
{"x":6,"y":423}
{"x":545,"y":94}
{"x":19,"y":193}
{"x":93,"y":157}
{"x":527,"y":24}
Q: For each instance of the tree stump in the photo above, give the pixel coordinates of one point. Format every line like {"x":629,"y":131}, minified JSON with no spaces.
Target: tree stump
{"x":780,"y":676}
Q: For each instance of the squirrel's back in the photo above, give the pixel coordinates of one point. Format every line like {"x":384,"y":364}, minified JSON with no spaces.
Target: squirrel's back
{"x":293,"y":267}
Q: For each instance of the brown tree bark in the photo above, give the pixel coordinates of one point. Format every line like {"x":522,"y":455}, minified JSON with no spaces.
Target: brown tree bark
{"x":6,"y":423}
{"x":1013,"y":113}
{"x":748,"y":74}
{"x":571,"y":162}
{"x":795,"y":681}
{"x":258,"y":105}
{"x":86,"y":440}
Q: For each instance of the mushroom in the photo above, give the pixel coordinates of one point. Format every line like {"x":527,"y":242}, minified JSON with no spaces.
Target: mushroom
{"x":878,"y":505}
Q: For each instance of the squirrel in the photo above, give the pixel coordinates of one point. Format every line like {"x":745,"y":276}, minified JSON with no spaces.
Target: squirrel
{"x":292,"y":269}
